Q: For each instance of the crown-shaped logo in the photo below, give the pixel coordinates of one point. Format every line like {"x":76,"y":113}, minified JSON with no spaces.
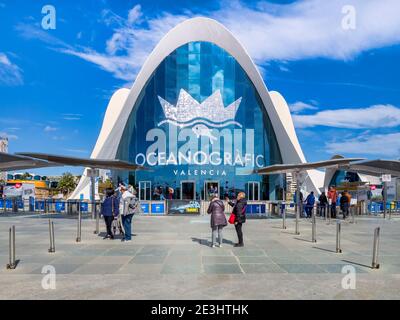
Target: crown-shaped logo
{"x":188,"y":111}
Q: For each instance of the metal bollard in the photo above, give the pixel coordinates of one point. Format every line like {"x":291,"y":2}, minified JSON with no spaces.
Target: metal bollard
{"x":52,"y":242}
{"x":375,"y":264}
{"x":283,"y":216}
{"x":12,"y":263}
{"x":329,"y":214}
{"x":314,"y":226}
{"x":338,"y":233}
{"x":79,"y":231}
{"x":97,"y":220}
{"x":297,"y":223}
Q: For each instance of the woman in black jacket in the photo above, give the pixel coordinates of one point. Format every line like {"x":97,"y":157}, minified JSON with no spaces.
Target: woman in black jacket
{"x":239,"y":210}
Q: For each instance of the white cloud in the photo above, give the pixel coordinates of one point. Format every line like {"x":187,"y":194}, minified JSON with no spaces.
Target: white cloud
{"x":377,"y":116}
{"x":300,"y":106}
{"x":300,"y":30}
{"x":72,"y":116}
{"x":49,"y":129}
{"x":77,"y":150}
{"x":7,"y":135}
{"x":381,"y":145}
{"x":10,"y":73}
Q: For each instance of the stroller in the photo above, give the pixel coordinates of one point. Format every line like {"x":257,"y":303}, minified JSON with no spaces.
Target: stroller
{"x":117,"y":225}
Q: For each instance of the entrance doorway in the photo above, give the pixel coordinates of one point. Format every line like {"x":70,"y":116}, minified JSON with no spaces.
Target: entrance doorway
{"x":210,"y":188}
{"x":144,"y":190}
{"x":188,"y":190}
{"x":253,"y":191}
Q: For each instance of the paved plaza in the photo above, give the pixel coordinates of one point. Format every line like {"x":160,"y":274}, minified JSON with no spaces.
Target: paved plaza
{"x":170,"y":258}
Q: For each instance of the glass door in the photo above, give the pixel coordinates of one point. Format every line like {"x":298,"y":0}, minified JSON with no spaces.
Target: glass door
{"x":144,"y":190}
{"x":188,"y":190}
{"x":253,"y":191}
{"x":210,"y":188}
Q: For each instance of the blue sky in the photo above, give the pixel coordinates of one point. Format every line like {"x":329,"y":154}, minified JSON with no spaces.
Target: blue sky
{"x":342,"y":84}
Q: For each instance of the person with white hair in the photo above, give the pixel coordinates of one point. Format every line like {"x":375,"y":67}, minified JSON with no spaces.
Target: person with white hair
{"x":129,"y":205}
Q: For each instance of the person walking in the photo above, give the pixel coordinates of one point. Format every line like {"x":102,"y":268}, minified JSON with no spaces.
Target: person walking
{"x":129,"y":205}
{"x":332,"y":198}
{"x":218,"y":219}
{"x":323,"y":202}
{"x":310,"y":201}
{"x":109,"y":210}
{"x":239,"y":210}
{"x":344,"y":205}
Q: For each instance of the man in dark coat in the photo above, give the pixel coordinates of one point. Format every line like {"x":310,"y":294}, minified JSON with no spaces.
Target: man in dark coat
{"x":218,"y":219}
{"x":109,"y":210}
{"x":239,"y":210}
{"x":344,"y":204}
{"x":323,"y":203}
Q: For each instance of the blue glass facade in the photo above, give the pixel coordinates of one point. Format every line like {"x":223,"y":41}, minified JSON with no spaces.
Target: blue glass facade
{"x":209,"y":143}
{"x":342,"y":176}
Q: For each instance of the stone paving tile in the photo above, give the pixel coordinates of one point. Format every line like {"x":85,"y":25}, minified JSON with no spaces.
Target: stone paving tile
{"x":181,"y":269}
{"x":59,"y":268}
{"x":98,"y":269}
{"x":302,"y":268}
{"x":116,"y":251}
{"x":222,"y":269}
{"x":289,"y":260}
{"x":255,"y":260}
{"x":337,"y":268}
{"x":218,"y":259}
{"x":216,"y":252}
{"x":150,"y":259}
{"x":110,"y":260}
{"x":22,"y":268}
{"x":244,"y":252}
{"x":74,"y":259}
{"x":145,"y":269}
{"x":261,"y":268}
{"x":153,"y":251}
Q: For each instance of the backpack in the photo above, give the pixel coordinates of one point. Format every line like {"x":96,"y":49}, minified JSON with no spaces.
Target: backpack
{"x":132,"y":206}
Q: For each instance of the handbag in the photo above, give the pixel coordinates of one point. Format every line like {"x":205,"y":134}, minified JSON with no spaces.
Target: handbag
{"x":232,"y":218}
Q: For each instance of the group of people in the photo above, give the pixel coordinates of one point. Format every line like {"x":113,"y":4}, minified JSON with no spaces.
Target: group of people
{"x":218,"y":219}
{"x":328,"y":202}
{"x":119,"y":206}
{"x":158,"y":194}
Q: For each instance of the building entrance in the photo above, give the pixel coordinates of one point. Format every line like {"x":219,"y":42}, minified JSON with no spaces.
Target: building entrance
{"x":211,"y":188}
{"x":188,"y":190}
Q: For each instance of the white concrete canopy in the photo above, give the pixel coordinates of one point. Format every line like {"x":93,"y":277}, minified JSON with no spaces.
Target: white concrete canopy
{"x":197,"y":29}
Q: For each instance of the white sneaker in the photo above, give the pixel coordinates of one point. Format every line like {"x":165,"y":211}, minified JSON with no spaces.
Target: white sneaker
{"x":213,"y":246}
{"x":220,"y":246}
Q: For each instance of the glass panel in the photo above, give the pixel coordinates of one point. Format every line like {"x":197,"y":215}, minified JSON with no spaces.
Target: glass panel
{"x":188,"y":191}
{"x":202,"y":70}
{"x":256,"y":191}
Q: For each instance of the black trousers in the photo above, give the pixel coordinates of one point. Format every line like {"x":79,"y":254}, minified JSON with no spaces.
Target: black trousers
{"x":238,"y":227}
{"x":333,"y":211}
{"x":109,"y":220}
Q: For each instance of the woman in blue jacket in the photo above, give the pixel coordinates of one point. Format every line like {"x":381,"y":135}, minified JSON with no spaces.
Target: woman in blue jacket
{"x":109,"y":210}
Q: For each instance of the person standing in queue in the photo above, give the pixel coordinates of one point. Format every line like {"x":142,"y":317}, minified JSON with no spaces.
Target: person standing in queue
{"x":129,"y":205}
{"x":344,"y":204}
{"x":109,"y":210}
{"x":332,"y":198}
{"x":218,"y":219}
{"x":323,"y":203}
{"x":239,"y":210}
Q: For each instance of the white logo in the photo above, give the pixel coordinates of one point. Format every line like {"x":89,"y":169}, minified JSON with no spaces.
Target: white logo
{"x":211,"y":111}
{"x":49,"y":20}
{"x":349,"y":280}
{"x":49,"y":280}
